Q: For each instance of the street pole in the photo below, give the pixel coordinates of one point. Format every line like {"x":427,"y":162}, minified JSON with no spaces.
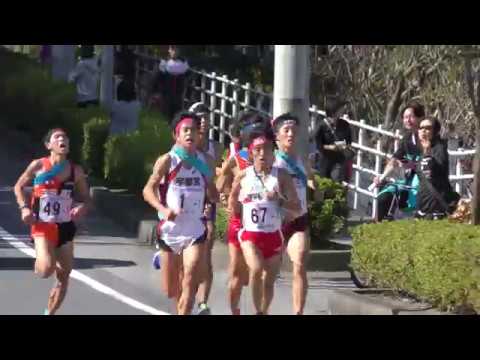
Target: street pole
{"x":63,"y":61}
{"x":292,"y":87}
{"x":106,"y":87}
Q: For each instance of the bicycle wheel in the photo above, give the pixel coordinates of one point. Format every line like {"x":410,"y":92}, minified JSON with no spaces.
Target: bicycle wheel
{"x":360,"y":279}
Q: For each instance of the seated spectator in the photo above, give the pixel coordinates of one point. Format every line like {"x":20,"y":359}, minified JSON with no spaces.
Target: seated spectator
{"x":125,"y":110}
{"x":393,"y":196}
{"x":435,"y":198}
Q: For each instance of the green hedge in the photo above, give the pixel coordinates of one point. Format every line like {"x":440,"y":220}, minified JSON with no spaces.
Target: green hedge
{"x":437,"y":262}
{"x":129,"y":159}
{"x":93,"y":150}
{"x":327,"y":217}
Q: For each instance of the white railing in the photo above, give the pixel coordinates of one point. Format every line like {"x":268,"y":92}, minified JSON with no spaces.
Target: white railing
{"x":227,"y":97}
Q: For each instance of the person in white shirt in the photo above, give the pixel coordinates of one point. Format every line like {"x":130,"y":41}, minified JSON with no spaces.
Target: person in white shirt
{"x":174,"y":83}
{"x":86,"y":77}
{"x":125,"y":110}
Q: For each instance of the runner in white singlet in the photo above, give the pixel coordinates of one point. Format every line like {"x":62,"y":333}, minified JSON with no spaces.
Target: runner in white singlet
{"x":178,"y":189}
{"x":246,"y":123}
{"x":296,"y":229}
{"x":213,"y":150}
{"x":258,"y":194}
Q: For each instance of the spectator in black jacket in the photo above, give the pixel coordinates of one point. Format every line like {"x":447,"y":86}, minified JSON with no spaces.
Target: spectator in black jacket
{"x":333,"y":135}
{"x":435,"y":192}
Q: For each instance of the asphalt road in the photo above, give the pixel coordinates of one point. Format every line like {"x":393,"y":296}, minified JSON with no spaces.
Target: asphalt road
{"x":112,"y":274}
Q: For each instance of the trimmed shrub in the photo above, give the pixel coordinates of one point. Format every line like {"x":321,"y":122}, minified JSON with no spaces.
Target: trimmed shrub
{"x":93,"y":150}
{"x":437,"y":262}
{"x":329,"y":216}
{"x":129,"y":159}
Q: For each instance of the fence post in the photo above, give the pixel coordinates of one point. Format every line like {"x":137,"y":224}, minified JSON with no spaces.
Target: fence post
{"x":270,"y":104}
{"x":213,"y":104}
{"x":396,"y":143}
{"x":359,"y":165}
{"x":378,"y":169}
{"x":203,"y":85}
{"x":458,"y":172}
{"x":248,"y":87}
{"x":223,"y":109}
{"x":259,"y":98}
{"x":235,"y":100}
{"x":313,"y":119}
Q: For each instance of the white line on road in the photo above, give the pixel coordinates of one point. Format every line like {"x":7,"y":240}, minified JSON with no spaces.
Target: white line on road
{"x":16,"y":242}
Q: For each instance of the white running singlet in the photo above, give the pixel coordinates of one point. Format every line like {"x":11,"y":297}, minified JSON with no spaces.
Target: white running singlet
{"x":186,"y":194}
{"x":260,"y":214}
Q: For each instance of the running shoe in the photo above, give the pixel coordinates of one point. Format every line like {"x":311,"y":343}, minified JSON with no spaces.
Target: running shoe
{"x":203,"y":309}
{"x":156,"y":261}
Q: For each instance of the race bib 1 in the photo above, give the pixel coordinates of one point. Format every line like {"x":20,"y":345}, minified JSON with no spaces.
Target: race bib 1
{"x":190,"y":203}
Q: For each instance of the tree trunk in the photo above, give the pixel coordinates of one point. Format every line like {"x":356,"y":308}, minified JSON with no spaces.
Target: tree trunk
{"x":394,"y":104}
{"x":476,"y":179}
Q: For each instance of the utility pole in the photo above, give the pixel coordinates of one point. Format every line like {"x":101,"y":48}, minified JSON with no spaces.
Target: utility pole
{"x":292,"y":87}
{"x":107,"y":88}
{"x":63,"y":61}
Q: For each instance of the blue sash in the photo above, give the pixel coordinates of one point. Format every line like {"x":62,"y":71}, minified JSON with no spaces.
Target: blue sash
{"x":49,"y":175}
{"x":293,"y":166}
{"x":194,"y":161}
{"x":243,"y":154}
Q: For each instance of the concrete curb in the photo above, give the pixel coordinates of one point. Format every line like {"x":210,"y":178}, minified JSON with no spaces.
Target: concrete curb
{"x":371,"y":302}
{"x":135,"y":216}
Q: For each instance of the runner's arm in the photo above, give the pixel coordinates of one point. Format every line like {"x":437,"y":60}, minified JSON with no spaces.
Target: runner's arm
{"x":160,"y":170}
{"x":25,"y":179}
{"x":212,"y":193}
{"x":219,"y":149}
{"x":226,"y":175}
{"x":310,"y":175}
{"x":317,"y":193}
{"x":234,"y":205}
{"x":81,"y":187}
{"x":288,"y":194}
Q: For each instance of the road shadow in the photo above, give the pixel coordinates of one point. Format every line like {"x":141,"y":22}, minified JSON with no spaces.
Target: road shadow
{"x":105,"y":243}
{"x":92,"y":229}
{"x":20,"y":263}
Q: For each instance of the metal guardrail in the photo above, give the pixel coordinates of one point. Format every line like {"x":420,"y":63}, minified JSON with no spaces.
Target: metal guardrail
{"x":226,"y":97}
